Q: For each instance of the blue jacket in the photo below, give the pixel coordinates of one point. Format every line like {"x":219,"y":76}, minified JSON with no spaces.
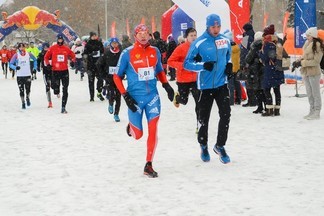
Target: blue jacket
{"x":208,"y":48}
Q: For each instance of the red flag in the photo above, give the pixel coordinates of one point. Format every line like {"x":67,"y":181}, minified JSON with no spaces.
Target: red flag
{"x":285,"y":21}
{"x":153,"y":24}
{"x":113,"y":29}
{"x":240,"y":15}
{"x":127,"y":28}
{"x":143,"y":20}
{"x":265,"y":19}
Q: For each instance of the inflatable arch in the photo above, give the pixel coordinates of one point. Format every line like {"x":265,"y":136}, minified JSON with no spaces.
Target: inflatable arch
{"x":32,"y":18}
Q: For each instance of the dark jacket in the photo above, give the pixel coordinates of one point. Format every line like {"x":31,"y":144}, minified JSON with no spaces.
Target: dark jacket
{"x":109,"y":59}
{"x":125,"y":42}
{"x":41,"y":64}
{"x":255,"y":66}
{"x":92,"y":51}
{"x":272,"y":77}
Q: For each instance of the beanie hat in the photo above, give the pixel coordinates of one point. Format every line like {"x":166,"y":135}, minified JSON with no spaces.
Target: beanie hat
{"x":106,"y":43}
{"x":258,"y":35}
{"x":92,"y":34}
{"x":114,"y":39}
{"x":60,"y":36}
{"x":228,"y":34}
{"x":312,"y":31}
{"x":212,"y":20}
{"x":140,"y":27}
{"x":269,"y":30}
{"x":45,"y":44}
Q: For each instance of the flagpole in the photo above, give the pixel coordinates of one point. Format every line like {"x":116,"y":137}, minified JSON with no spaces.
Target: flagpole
{"x":106,"y":19}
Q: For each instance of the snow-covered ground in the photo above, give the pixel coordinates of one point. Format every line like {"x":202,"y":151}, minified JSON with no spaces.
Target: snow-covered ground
{"x":84,"y":164}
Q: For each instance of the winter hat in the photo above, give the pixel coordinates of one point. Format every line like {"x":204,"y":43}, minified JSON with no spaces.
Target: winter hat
{"x":212,"y":20}
{"x":45,"y":44}
{"x":170,"y":38}
{"x":114,"y":39}
{"x":77,"y":40}
{"x":258,"y":35}
{"x":140,"y":27}
{"x":269,"y":30}
{"x":312,"y":31}
{"x":92,"y":34}
{"x":60,"y":36}
{"x":228,"y":34}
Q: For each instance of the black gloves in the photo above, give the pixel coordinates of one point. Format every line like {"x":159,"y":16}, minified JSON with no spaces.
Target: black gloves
{"x":77,"y":52}
{"x":169,"y":90}
{"x":49,"y":67}
{"x":130,"y":102}
{"x":209,"y":65}
{"x":18,"y":68}
{"x":229,"y":70}
{"x":72,"y":64}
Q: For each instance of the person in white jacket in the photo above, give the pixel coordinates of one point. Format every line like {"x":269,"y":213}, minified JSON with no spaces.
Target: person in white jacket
{"x":78,"y":49}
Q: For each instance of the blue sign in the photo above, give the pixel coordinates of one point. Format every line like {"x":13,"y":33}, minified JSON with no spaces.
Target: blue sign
{"x":305,"y":17}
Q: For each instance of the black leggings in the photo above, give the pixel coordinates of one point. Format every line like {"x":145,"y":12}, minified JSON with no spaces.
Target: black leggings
{"x":24,"y":83}
{"x":184,"y":89}
{"x":268,"y":96}
{"x":5,"y":68}
{"x":205,"y":104}
{"x":63,"y":76}
{"x":92,"y":74}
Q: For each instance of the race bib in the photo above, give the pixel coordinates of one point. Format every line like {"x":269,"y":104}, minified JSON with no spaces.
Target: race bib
{"x":22,"y":63}
{"x":4,"y":55}
{"x":112,"y":70}
{"x":145,"y":74}
{"x":221,"y":44}
{"x":97,"y":54}
{"x":60,"y":58}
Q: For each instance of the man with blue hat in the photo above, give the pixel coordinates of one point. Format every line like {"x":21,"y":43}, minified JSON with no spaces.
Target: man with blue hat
{"x":210,"y":57}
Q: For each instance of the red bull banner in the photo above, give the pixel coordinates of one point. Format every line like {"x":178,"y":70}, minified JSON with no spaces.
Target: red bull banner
{"x":32,"y":18}
{"x":240,"y":14}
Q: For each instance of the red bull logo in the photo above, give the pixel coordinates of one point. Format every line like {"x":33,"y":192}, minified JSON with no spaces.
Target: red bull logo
{"x":44,"y":18}
{"x":18,"y":19}
{"x":32,"y":18}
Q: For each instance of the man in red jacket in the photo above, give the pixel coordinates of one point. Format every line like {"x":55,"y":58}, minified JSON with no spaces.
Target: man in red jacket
{"x":186,"y":80}
{"x":59,"y":54}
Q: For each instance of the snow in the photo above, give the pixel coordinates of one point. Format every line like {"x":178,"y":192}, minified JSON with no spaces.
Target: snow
{"x":83,"y":163}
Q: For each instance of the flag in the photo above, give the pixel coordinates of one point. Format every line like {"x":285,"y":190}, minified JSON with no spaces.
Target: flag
{"x":240,"y":14}
{"x":113,"y":29}
{"x":305,"y":17}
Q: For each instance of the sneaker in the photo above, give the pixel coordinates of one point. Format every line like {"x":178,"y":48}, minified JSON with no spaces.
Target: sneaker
{"x":91,"y":100}
{"x":50,"y":105}
{"x":175,"y":103}
{"x":63,"y":110}
{"x":104,"y":92}
{"x":149,"y":171}
{"x":110,"y":109}
{"x":315,"y":115}
{"x":99,"y":95}
{"x":23,"y":106}
{"x":204,"y":155}
{"x":223,"y":157}
{"x":128,"y":130}
{"x":116,"y":117}
{"x":28,"y":101}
